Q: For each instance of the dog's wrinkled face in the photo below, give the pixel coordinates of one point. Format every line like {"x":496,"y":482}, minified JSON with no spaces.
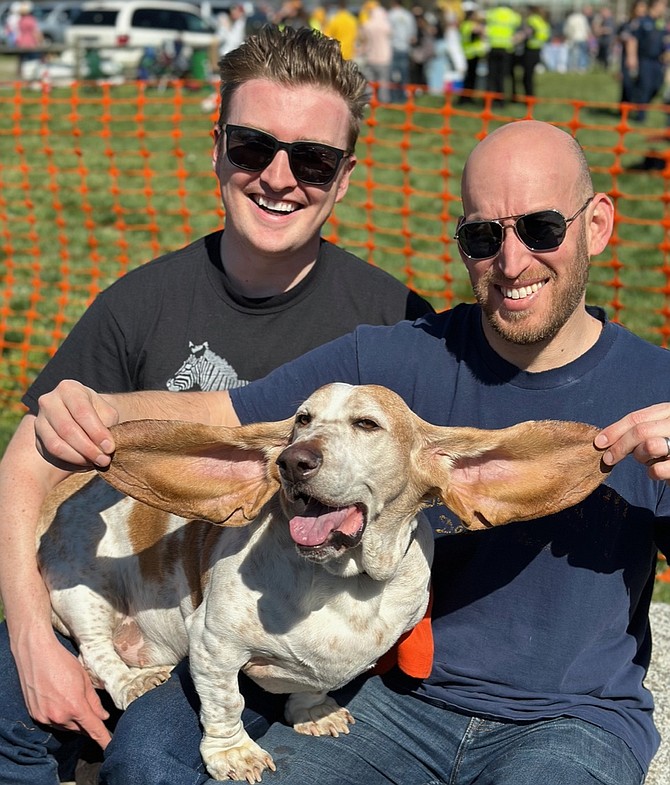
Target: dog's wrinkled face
{"x":347,"y":461}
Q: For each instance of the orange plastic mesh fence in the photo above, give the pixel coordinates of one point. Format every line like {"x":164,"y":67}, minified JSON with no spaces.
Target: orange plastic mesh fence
{"x":95,"y":180}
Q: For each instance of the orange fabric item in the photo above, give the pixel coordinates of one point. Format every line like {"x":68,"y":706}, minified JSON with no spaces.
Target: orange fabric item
{"x":413,"y":653}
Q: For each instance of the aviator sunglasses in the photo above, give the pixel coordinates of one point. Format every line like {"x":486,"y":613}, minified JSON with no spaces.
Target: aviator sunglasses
{"x":312,"y":163}
{"x":541,"y":231}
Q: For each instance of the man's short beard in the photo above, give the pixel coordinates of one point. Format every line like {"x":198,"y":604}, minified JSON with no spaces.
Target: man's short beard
{"x":512,"y":327}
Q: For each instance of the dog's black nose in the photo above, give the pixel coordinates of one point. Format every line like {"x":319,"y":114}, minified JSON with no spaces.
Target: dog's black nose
{"x":299,"y":462}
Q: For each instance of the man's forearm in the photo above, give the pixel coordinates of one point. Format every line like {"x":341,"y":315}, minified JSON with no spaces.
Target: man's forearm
{"x":210,"y":408}
{"x":25,"y":480}
{"x":73,"y":422}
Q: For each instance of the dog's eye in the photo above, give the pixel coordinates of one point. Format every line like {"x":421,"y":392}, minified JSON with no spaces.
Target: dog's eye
{"x":303,"y":419}
{"x":366,"y":424}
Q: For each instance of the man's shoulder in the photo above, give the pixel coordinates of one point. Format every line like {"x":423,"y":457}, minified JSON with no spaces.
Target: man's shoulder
{"x":427,"y":327}
{"x":632,"y":339}
{"x":342,"y":269}
{"x":645,"y":365}
{"x":168,"y":269}
{"x":349,"y":265}
{"x":367,"y":286}
{"x":203,"y":248}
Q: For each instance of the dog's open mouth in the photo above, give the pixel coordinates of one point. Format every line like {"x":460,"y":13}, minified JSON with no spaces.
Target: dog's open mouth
{"x":317,"y":524}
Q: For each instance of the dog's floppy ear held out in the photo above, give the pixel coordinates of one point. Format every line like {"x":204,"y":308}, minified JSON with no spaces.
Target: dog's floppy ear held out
{"x":492,"y":477}
{"x":218,"y":474}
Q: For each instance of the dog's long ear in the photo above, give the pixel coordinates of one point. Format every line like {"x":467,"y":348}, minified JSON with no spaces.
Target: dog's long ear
{"x":223,"y":475}
{"x":489,"y":478}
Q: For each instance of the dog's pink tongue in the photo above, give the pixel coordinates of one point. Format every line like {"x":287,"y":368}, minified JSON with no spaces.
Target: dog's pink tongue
{"x":319,"y":521}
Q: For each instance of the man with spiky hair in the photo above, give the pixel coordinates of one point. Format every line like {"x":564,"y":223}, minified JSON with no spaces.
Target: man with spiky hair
{"x":219,"y":313}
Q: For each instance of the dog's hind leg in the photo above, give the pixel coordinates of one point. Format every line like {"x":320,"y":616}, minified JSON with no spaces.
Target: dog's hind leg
{"x":87,"y":618}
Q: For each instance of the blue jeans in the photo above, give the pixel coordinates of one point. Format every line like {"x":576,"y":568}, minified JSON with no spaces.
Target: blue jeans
{"x":397,"y":739}
{"x":399,"y":76}
{"x":34,"y":754}
{"x":30,"y":754}
{"x":647,"y":86}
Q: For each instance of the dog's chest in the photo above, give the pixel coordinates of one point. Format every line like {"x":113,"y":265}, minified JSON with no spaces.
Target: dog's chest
{"x":296,"y":626}
{"x":322,"y":650}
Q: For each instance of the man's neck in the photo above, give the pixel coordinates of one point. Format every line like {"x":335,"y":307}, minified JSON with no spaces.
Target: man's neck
{"x":574,"y":339}
{"x":256,"y":275}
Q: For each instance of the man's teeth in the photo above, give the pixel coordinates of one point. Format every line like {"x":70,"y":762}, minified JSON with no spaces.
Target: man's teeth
{"x":523,"y":292}
{"x":281,"y":207}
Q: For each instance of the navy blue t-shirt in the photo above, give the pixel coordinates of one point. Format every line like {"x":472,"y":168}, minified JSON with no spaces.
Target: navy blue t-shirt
{"x":538,"y":619}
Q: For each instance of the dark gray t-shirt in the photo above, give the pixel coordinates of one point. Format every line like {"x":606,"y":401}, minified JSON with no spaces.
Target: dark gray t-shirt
{"x":176,"y":322}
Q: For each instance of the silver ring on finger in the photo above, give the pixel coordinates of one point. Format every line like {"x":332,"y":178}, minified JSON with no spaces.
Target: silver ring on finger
{"x":667,"y":445}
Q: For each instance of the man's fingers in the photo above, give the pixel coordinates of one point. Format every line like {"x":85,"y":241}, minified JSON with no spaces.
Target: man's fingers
{"x":91,"y":722}
{"x":95,"y":728}
{"x":61,"y":455}
{"x":90,"y":725}
{"x":89,"y":715}
{"x":644,"y":427}
{"x":69,"y":428}
{"x":644,"y":434}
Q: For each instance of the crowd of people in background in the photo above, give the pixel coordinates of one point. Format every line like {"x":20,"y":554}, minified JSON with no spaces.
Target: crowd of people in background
{"x":441,"y":45}
{"x":474,"y":45}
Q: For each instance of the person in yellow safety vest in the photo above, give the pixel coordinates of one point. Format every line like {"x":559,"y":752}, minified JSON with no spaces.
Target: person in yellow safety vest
{"x":475,"y":47}
{"x":537,"y":33}
{"x":502,"y":28}
{"x":343,"y":26}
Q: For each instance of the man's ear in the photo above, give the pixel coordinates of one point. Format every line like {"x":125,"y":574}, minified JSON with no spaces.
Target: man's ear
{"x":216,"y":136}
{"x":599,"y":229}
{"x":343,"y":184}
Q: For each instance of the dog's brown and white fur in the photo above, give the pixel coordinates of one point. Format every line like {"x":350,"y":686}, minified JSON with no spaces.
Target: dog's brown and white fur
{"x":331,"y":569}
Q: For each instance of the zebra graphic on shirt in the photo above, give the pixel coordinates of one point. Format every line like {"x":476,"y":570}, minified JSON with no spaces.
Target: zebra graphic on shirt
{"x":204,"y":370}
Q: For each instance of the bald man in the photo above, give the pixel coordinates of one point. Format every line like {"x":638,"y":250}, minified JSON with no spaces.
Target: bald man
{"x":541,"y":629}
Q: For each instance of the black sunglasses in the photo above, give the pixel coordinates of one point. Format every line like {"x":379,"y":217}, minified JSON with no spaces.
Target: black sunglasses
{"x":312,"y":163}
{"x":541,"y":231}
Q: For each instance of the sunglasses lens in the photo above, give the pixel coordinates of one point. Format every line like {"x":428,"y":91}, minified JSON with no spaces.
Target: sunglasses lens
{"x":249,"y":149}
{"x":311,"y":162}
{"x":314,"y":163}
{"x":542,"y":231}
{"x":480,"y":239}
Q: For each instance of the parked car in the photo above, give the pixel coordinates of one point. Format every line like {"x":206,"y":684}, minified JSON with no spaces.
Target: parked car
{"x":54,"y":18}
{"x":123,"y":29}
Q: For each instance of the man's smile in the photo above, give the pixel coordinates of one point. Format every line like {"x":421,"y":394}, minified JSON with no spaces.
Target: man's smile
{"x":520,"y":292}
{"x":272,"y":206}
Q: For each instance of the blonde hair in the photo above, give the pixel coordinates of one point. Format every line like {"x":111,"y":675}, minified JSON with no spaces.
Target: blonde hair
{"x":293,"y":58}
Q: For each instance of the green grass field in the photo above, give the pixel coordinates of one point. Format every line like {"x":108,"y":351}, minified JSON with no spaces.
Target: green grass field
{"x":93,"y":183}
{"x":90,"y":186}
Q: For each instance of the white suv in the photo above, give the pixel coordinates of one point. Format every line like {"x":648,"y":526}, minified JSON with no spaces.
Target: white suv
{"x":123,"y":29}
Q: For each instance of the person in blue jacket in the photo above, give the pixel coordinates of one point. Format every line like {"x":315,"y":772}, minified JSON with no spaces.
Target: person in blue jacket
{"x":541,"y":628}
{"x":650,"y":42}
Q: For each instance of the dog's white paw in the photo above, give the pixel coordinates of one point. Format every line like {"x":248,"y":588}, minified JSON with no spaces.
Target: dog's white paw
{"x":140,"y":680}
{"x":244,"y":762}
{"x":324,"y":719}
